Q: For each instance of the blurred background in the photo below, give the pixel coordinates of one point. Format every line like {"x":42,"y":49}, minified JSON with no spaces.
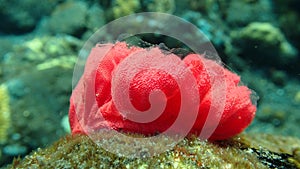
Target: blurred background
{"x":40,"y":41}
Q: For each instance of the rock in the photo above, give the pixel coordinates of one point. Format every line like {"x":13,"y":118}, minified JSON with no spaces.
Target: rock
{"x":95,"y":18}
{"x":288,"y":14}
{"x":37,"y":51}
{"x":75,"y":18}
{"x":16,"y":88}
{"x":277,"y":111}
{"x":244,"y":151}
{"x":123,"y":7}
{"x":6,"y":45}
{"x":68,"y":17}
{"x":264,"y":44}
{"x":22,"y":16}
{"x":166,"y":6}
{"x":241,"y":13}
{"x":38,"y":76}
{"x":210,"y":28}
{"x":278,"y":77}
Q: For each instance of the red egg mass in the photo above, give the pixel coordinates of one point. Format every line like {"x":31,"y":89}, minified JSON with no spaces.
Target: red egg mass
{"x":121,"y":84}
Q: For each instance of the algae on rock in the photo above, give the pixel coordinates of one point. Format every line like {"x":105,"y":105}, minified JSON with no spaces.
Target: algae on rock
{"x":80,"y":151}
{"x":38,"y":76}
{"x":166,"y":6}
{"x":266,"y":43}
{"x":4,"y":113}
{"x":68,"y":17}
{"x":123,"y":7}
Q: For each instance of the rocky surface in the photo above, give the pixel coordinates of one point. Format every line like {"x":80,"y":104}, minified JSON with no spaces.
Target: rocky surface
{"x":243,"y":151}
{"x":37,"y":75}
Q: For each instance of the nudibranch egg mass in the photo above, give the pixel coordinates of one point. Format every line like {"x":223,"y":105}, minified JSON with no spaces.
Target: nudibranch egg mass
{"x":144,"y":90}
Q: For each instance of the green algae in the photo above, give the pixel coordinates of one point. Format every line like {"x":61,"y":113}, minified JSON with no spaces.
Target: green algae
{"x":5,"y":121}
{"x":123,"y":7}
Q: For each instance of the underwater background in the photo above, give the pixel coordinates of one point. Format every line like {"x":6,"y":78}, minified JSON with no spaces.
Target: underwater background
{"x":40,"y":41}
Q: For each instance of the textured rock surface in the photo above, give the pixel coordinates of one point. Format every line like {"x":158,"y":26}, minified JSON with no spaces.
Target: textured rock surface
{"x":31,"y":72}
{"x":244,"y":151}
{"x":265,"y":43}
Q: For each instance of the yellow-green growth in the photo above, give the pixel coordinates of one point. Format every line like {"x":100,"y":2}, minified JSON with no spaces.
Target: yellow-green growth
{"x":125,"y":7}
{"x":4,"y":113}
{"x":166,"y":6}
